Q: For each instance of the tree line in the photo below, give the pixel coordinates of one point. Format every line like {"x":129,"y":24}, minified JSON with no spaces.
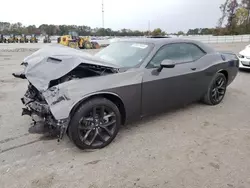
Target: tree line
{"x":235,"y":18}
{"x":234,"y":21}
{"x":19,"y":28}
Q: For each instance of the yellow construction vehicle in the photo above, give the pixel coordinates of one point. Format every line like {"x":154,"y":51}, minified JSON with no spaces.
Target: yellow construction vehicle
{"x":12,"y":39}
{"x":73,"y":40}
{"x":2,"y":39}
{"x":23,"y":39}
{"x":33,"y":39}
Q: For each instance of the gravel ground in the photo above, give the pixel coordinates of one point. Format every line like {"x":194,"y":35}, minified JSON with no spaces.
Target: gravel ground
{"x":194,"y":147}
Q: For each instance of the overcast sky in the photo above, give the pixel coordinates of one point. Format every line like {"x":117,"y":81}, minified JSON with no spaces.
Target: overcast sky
{"x":170,"y":15}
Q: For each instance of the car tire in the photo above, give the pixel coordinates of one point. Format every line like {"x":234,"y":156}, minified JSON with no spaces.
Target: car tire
{"x":216,"y":90}
{"x":88,"y":131}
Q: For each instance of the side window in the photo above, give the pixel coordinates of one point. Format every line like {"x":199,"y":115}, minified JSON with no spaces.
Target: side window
{"x":178,"y":52}
{"x":195,"y":51}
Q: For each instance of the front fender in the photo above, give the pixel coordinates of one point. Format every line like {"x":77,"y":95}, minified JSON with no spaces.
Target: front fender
{"x":92,"y":95}
{"x":64,"y":97}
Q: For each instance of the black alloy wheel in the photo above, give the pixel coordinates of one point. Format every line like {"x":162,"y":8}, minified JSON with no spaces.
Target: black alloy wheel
{"x":95,"y":124}
{"x":219,"y":89}
{"x":216,"y":90}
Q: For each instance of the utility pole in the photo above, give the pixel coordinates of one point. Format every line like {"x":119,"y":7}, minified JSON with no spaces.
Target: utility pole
{"x":102,"y":14}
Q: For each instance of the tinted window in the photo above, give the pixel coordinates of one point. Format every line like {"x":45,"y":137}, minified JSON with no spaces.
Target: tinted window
{"x":179,"y":53}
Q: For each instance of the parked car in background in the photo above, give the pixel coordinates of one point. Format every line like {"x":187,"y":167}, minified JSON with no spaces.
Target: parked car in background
{"x":244,"y":57}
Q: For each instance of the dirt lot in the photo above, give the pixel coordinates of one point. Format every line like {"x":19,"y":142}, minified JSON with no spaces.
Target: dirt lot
{"x":195,"y":147}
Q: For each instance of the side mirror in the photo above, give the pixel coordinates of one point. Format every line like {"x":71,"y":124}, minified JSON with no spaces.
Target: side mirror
{"x":167,"y":63}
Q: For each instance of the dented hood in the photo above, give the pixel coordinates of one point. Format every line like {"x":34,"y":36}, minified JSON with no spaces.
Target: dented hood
{"x":54,"y":61}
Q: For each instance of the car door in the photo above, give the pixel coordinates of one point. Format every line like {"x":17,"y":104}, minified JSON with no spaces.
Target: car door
{"x":171,"y":87}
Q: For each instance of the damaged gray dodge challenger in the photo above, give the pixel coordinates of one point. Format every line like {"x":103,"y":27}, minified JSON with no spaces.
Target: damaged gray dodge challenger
{"x":89,"y":97}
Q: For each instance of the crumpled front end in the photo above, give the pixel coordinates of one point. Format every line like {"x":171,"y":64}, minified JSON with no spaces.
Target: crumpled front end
{"x":52,"y":109}
{"x":61,"y":78}
{"x":53,"y":106}
{"x":43,"y":120}
{"x":47,"y":68}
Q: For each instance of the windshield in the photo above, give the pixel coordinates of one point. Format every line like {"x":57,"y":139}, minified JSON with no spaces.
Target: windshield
{"x":73,"y":33}
{"x":125,"y":54}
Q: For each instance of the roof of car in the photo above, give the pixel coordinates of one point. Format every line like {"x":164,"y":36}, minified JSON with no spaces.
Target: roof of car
{"x":158,"y":40}
{"x":163,"y":41}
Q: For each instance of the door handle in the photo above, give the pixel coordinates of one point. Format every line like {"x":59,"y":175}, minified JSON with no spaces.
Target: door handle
{"x":193,"y":68}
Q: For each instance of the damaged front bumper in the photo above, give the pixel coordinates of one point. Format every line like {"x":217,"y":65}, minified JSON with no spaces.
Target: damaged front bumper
{"x":43,"y":120}
{"x":36,"y":107}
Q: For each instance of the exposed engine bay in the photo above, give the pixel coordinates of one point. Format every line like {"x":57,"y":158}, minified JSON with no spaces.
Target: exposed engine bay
{"x":83,"y":71}
{"x":38,"y":108}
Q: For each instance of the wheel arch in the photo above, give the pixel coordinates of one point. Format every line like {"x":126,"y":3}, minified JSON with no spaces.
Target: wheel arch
{"x":223,"y":71}
{"x":113,"y":97}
